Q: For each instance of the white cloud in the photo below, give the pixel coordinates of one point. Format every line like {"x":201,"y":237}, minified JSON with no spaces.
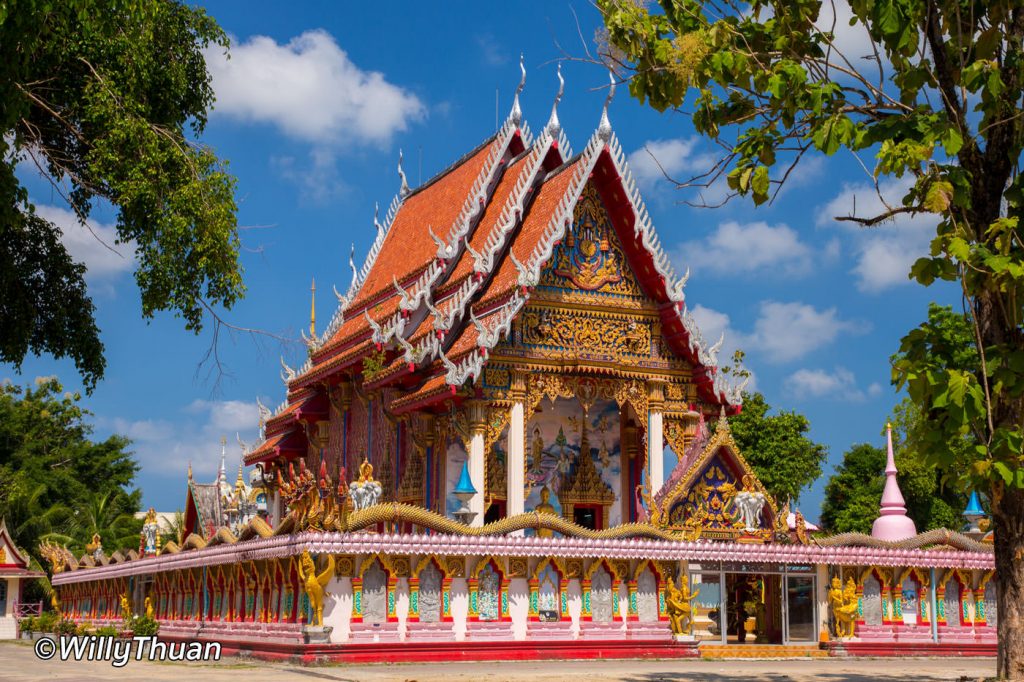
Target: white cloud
{"x":884,"y":253}
{"x":318,"y":182}
{"x":787,"y":331}
{"x":782,"y":332}
{"x":676,"y":158}
{"x":840,"y":384}
{"x":310,"y":89}
{"x":94,"y":244}
{"x":853,"y":42}
{"x":750,"y":247}
{"x":167,"y":447}
{"x":490,"y":50}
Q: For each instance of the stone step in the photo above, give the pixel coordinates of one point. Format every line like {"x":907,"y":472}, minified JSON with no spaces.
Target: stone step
{"x":761,"y":651}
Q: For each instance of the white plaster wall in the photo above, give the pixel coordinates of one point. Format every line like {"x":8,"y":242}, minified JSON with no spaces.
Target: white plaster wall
{"x":519,"y":606}
{"x":623,"y":603}
{"x":338,"y":609}
{"x":12,"y":596}
{"x":821,"y":593}
{"x":574,"y":592}
{"x":402,"y":606}
{"x":459,"y":607}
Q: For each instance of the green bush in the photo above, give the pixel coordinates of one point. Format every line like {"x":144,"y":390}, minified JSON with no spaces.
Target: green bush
{"x":106,"y":631}
{"x":28,"y":624}
{"x":47,"y":622}
{"x":66,"y":627}
{"x":145,"y":627}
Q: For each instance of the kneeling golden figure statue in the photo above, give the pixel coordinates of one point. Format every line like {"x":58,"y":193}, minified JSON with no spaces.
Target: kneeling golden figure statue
{"x":679,"y":606}
{"x":844,"y":606}
{"x":314,"y":585}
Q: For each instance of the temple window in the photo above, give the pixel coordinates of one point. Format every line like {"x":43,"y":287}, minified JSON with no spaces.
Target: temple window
{"x":375,"y":595}
{"x":952,"y":605}
{"x":647,"y":597}
{"x":601,"y":596}
{"x":911,"y":605}
{"x":430,"y":594}
{"x":872,"y":601}
{"x":991,"y":606}
{"x":489,"y":594}
{"x":548,"y":595}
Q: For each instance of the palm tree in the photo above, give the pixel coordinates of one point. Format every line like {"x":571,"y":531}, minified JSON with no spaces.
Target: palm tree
{"x":174,"y":528}
{"x":105,"y":515}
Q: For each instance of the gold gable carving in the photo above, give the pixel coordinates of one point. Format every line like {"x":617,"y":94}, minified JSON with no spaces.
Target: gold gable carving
{"x":590,"y":258}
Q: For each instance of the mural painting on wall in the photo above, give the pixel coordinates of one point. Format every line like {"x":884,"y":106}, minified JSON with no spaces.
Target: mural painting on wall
{"x":548,"y":595}
{"x":489,"y":593}
{"x":554,"y":437}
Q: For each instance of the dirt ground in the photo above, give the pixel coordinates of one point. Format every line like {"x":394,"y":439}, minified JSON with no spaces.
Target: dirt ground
{"x":18,"y":663}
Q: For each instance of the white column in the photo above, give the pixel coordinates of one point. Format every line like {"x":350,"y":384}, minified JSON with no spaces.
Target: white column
{"x":515,"y":460}
{"x":821,"y":596}
{"x":655,"y":450}
{"x":338,"y":608}
{"x":459,"y":591}
{"x":575,"y":594}
{"x":275,"y":509}
{"x":402,"y":606}
{"x":477,"y":417}
{"x":519,"y":607}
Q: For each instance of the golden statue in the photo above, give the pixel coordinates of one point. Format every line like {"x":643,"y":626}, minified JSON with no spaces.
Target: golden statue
{"x":55,"y":605}
{"x":844,"y":606}
{"x":545,"y":507}
{"x":149,"y":608}
{"x":365,"y":471}
{"x":314,"y":585}
{"x":678,"y":603}
{"x":126,"y":608}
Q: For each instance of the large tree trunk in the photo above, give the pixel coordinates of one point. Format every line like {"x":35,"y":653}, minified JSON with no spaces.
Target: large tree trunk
{"x":1008,"y":515}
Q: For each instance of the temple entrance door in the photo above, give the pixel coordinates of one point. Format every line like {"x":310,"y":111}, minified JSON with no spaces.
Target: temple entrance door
{"x":753,"y":608}
{"x":800,"y":606}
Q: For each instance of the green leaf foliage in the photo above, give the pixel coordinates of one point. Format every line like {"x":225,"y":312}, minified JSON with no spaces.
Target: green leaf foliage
{"x":777,"y":447}
{"x":107,"y":98}
{"x":55,"y":481}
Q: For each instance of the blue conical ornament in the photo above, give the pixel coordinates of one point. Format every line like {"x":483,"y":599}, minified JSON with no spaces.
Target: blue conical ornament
{"x":465,"y":484}
{"x":974,"y":506}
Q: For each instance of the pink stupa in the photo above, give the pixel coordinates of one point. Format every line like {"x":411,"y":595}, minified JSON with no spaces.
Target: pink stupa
{"x":892,"y":522}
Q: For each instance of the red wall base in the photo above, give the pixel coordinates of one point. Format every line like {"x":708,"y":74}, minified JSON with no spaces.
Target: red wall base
{"x":427,"y":652}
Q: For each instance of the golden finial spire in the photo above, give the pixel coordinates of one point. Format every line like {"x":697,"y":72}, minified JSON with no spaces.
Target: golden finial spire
{"x":190,"y":470}
{"x":312,"y":310}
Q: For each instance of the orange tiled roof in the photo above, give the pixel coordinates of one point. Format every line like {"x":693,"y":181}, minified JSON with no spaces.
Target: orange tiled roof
{"x":408,"y":248}
{"x":537,"y":218}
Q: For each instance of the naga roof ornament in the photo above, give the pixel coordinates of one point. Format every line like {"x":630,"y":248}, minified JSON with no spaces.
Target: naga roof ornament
{"x":554,"y":127}
{"x":516,"y":115}
{"x":287,"y":373}
{"x":376,"y":205}
{"x":404,"y":189}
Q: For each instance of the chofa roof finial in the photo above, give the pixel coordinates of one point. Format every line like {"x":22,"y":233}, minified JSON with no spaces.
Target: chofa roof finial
{"x":404,"y":189}
{"x":554,"y":127}
{"x":517,"y":114}
{"x":604,"y":128}
{"x":376,"y":206}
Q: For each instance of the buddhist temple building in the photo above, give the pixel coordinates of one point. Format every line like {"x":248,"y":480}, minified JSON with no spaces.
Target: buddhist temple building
{"x":473,"y":459}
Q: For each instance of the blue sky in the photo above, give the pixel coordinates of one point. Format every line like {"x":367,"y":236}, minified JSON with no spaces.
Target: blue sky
{"x":312,"y":109}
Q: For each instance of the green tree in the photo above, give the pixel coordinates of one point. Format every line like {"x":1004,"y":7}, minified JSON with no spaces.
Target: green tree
{"x":105,"y":99}
{"x":937,"y":101}
{"x":53,"y":477}
{"x":853,"y":492}
{"x":777,"y":447}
